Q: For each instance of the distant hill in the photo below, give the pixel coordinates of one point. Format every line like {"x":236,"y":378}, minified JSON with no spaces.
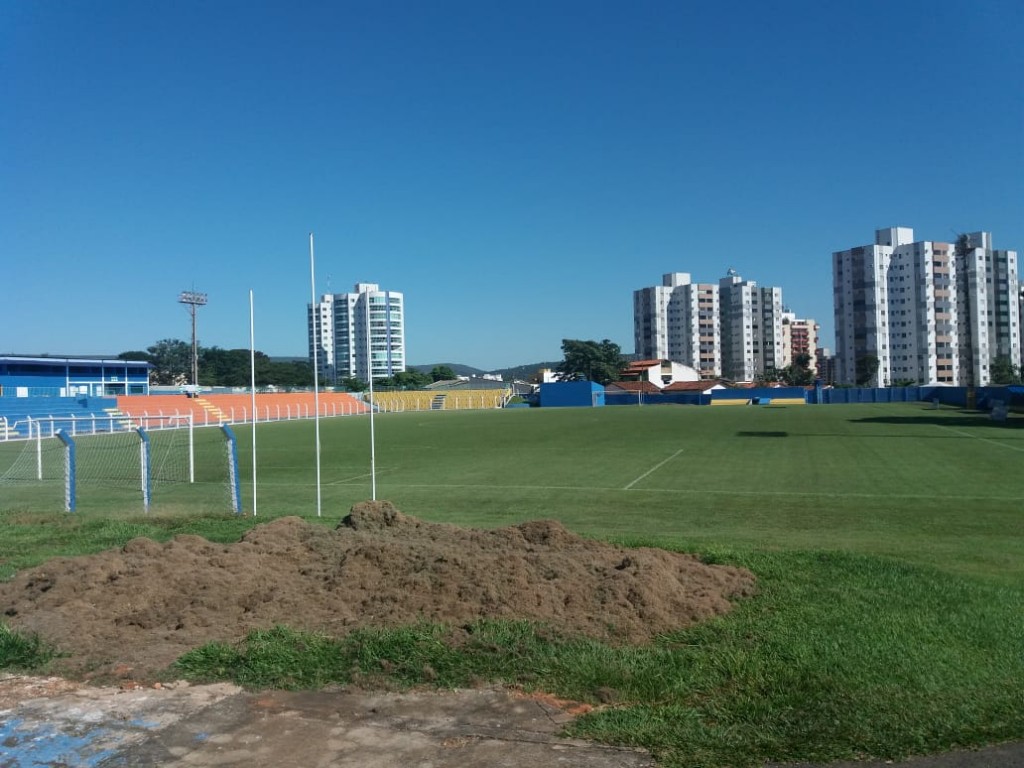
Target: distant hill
{"x":523,"y":372}
{"x":457,"y":368}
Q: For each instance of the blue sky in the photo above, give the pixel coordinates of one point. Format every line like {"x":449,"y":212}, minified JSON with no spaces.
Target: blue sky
{"x":516,"y":169}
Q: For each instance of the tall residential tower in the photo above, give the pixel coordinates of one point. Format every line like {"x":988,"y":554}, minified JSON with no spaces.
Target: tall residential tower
{"x":679,"y":320}
{"x":358,"y":334}
{"x":924,"y":311}
{"x":733,"y":329}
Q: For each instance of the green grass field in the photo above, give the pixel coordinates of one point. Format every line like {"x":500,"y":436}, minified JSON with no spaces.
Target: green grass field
{"x":887,"y":539}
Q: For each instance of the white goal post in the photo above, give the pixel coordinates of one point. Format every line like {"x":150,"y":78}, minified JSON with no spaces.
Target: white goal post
{"x":129,"y":463}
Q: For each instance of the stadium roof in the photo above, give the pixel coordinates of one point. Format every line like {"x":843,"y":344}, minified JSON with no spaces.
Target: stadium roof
{"x":69,"y":360}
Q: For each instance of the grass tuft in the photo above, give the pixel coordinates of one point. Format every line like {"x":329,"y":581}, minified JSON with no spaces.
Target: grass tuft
{"x":25,"y":652}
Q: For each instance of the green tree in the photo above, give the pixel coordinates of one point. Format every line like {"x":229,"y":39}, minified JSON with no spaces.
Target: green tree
{"x":289,"y":374}
{"x":1003,"y":371}
{"x":442,"y":373}
{"x":405,"y":380}
{"x":799,"y":373}
{"x":352,"y":384}
{"x":135,"y":355}
{"x":866,"y":367}
{"x":230,"y":367}
{"x":599,"y":362}
{"x":172,"y":362}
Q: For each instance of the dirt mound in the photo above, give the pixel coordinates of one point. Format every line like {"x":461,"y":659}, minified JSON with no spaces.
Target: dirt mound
{"x":144,"y":605}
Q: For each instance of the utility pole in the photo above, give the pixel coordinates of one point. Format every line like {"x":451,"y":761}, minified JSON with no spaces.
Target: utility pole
{"x":193,"y":301}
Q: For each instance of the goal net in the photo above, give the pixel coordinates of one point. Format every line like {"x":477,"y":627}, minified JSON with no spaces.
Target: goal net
{"x":165,"y":463}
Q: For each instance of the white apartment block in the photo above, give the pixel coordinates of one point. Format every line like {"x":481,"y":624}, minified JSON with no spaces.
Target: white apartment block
{"x":923,"y":321}
{"x":679,"y":321}
{"x":320,"y":325}
{"x":799,"y":337}
{"x":928,"y":312}
{"x":751,"y":328}
{"x":1001,"y":294}
{"x":732,"y":329}
{"x":358,"y":334}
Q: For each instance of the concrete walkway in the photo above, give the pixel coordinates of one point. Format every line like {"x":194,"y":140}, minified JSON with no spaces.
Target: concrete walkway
{"x":221,"y":725}
{"x":61,"y":724}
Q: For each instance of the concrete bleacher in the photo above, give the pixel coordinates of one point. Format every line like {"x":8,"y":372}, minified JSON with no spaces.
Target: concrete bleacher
{"x":212,"y":409}
{"x":448,"y":400}
{"x":72,"y":414}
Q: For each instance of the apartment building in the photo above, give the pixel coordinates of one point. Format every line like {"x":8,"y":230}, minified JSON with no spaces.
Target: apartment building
{"x":799,"y":337}
{"x":679,"y":320}
{"x":751,"y":327}
{"x":924,"y":311}
{"x":731,"y":329}
{"x":358,"y":334}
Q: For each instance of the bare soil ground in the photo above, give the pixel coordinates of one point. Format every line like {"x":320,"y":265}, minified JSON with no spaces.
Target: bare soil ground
{"x":131,"y":612}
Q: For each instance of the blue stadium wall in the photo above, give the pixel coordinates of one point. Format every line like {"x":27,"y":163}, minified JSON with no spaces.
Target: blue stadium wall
{"x":979,"y":398}
{"x":23,"y":376}
{"x":571,"y":394}
{"x":656,"y":398}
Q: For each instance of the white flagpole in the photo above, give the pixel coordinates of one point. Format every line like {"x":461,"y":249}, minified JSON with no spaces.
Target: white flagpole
{"x":314,"y":310}
{"x":252,"y":368}
{"x":369,"y":375}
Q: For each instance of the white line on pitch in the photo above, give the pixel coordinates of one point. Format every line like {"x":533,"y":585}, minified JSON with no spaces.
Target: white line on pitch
{"x":344,"y":480}
{"x":701,"y":491}
{"x":983,"y":439}
{"x":656,"y":467}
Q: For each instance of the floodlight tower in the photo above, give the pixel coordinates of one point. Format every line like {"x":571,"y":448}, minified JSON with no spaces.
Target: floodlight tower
{"x":193,"y":301}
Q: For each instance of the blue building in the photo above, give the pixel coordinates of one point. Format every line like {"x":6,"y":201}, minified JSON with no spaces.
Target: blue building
{"x":22,"y":376}
{"x":568,"y":394}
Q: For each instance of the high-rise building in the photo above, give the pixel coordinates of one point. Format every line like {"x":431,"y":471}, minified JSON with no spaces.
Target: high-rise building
{"x":751,"y":327}
{"x":799,"y":337}
{"x":924,"y":311}
{"x":732,"y":329}
{"x":678,"y":320}
{"x":358,"y":334}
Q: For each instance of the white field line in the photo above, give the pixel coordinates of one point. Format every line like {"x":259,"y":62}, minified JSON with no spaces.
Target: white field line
{"x":688,"y":491}
{"x":655,"y":468}
{"x":345,"y":480}
{"x":702,"y":492}
{"x":983,"y":439}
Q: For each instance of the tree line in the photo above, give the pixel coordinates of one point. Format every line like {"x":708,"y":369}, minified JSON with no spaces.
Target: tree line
{"x":172,"y":366}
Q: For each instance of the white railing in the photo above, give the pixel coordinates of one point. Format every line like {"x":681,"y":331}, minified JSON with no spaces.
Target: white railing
{"x":94,"y":424}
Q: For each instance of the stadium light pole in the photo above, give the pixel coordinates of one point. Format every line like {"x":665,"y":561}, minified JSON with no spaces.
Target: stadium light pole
{"x":193,"y":301}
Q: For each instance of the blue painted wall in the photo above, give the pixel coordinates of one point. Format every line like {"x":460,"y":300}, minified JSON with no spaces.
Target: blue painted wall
{"x":52,"y":376}
{"x":569,"y":394}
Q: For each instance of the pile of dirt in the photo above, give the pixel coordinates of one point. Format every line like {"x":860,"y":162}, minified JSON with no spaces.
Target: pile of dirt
{"x":140,"y":607}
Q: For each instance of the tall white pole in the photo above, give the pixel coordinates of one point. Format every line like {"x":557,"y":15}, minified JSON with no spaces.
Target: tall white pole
{"x":314,"y":310}
{"x":252,"y":370}
{"x":369,"y":375}
{"x":39,"y":446}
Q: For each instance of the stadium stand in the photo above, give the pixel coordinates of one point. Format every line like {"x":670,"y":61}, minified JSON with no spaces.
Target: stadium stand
{"x":453,"y":400}
{"x":217,"y":409}
{"x":72,"y":414}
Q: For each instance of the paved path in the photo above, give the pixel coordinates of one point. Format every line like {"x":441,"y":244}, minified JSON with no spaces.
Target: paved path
{"x":221,"y":725}
{"x":57,"y":723}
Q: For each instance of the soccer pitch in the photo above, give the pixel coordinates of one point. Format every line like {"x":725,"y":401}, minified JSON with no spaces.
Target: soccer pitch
{"x":886,"y":541}
{"x":937,"y":487}
{"x":941,"y":487}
